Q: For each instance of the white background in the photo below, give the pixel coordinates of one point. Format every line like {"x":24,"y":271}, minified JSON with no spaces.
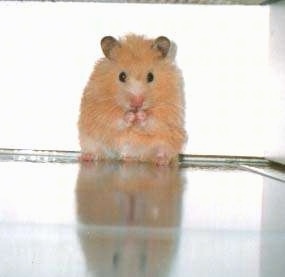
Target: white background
{"x":47,"y":51}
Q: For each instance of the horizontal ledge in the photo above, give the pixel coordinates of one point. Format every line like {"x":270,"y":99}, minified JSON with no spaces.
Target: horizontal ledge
{"x":33,"y":155}
{"x":221,"y":159}
{"x":197,"y":2}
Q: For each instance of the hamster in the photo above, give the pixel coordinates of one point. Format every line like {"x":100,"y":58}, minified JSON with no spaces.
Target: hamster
{"x":132,"y":107}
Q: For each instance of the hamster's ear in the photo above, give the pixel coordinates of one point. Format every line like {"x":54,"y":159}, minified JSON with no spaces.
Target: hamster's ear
{"x":162,"y":44}
{"x":108,"y":43}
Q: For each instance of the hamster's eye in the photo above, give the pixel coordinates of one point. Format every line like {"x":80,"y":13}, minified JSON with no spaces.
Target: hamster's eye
{"x":149,"y":77}
{"x":123,"y":77}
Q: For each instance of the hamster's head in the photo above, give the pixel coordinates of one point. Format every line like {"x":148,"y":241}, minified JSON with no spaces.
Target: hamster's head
{"x":137,"y":73}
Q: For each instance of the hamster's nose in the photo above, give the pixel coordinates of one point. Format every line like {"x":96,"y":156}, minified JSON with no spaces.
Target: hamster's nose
{"x":136,"y":101}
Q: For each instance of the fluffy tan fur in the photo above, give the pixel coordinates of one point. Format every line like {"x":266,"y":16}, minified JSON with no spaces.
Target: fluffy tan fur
{"x":102,"y":130}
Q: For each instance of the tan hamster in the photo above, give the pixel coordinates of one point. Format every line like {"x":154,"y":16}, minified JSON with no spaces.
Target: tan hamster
{"x":133,"y":105}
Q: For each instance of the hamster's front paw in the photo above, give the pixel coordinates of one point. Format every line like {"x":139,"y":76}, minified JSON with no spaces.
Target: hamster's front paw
{"x":135,"y":117}
{"x":86,"y":158}
{"x":129,"y":118}
{"x":141,"y":117}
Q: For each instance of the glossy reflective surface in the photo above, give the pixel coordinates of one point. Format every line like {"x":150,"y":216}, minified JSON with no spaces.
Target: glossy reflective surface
{"x":115,"y":219}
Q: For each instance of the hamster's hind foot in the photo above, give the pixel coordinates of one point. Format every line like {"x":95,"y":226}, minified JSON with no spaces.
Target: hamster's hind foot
{"x":86,"y":158}
{"x":162,"y":159}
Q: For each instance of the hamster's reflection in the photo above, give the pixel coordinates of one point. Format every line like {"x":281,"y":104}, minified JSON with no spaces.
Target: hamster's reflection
{"x":126,"y":195}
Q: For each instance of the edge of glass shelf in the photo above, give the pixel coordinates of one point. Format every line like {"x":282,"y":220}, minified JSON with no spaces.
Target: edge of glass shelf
{"x":192,"y":2}
{"x":257,"y":165}
{"x":31,"y":155}
{"x":41,"y":156}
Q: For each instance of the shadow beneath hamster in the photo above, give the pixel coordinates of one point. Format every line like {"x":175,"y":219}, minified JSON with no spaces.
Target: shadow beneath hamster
{"x":126,"y":214}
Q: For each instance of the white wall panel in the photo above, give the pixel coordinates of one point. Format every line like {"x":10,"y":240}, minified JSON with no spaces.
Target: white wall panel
{"x":47,"y":51}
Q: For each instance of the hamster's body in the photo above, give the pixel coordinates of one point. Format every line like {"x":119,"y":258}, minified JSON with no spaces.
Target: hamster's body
{"x":133,"y":106}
